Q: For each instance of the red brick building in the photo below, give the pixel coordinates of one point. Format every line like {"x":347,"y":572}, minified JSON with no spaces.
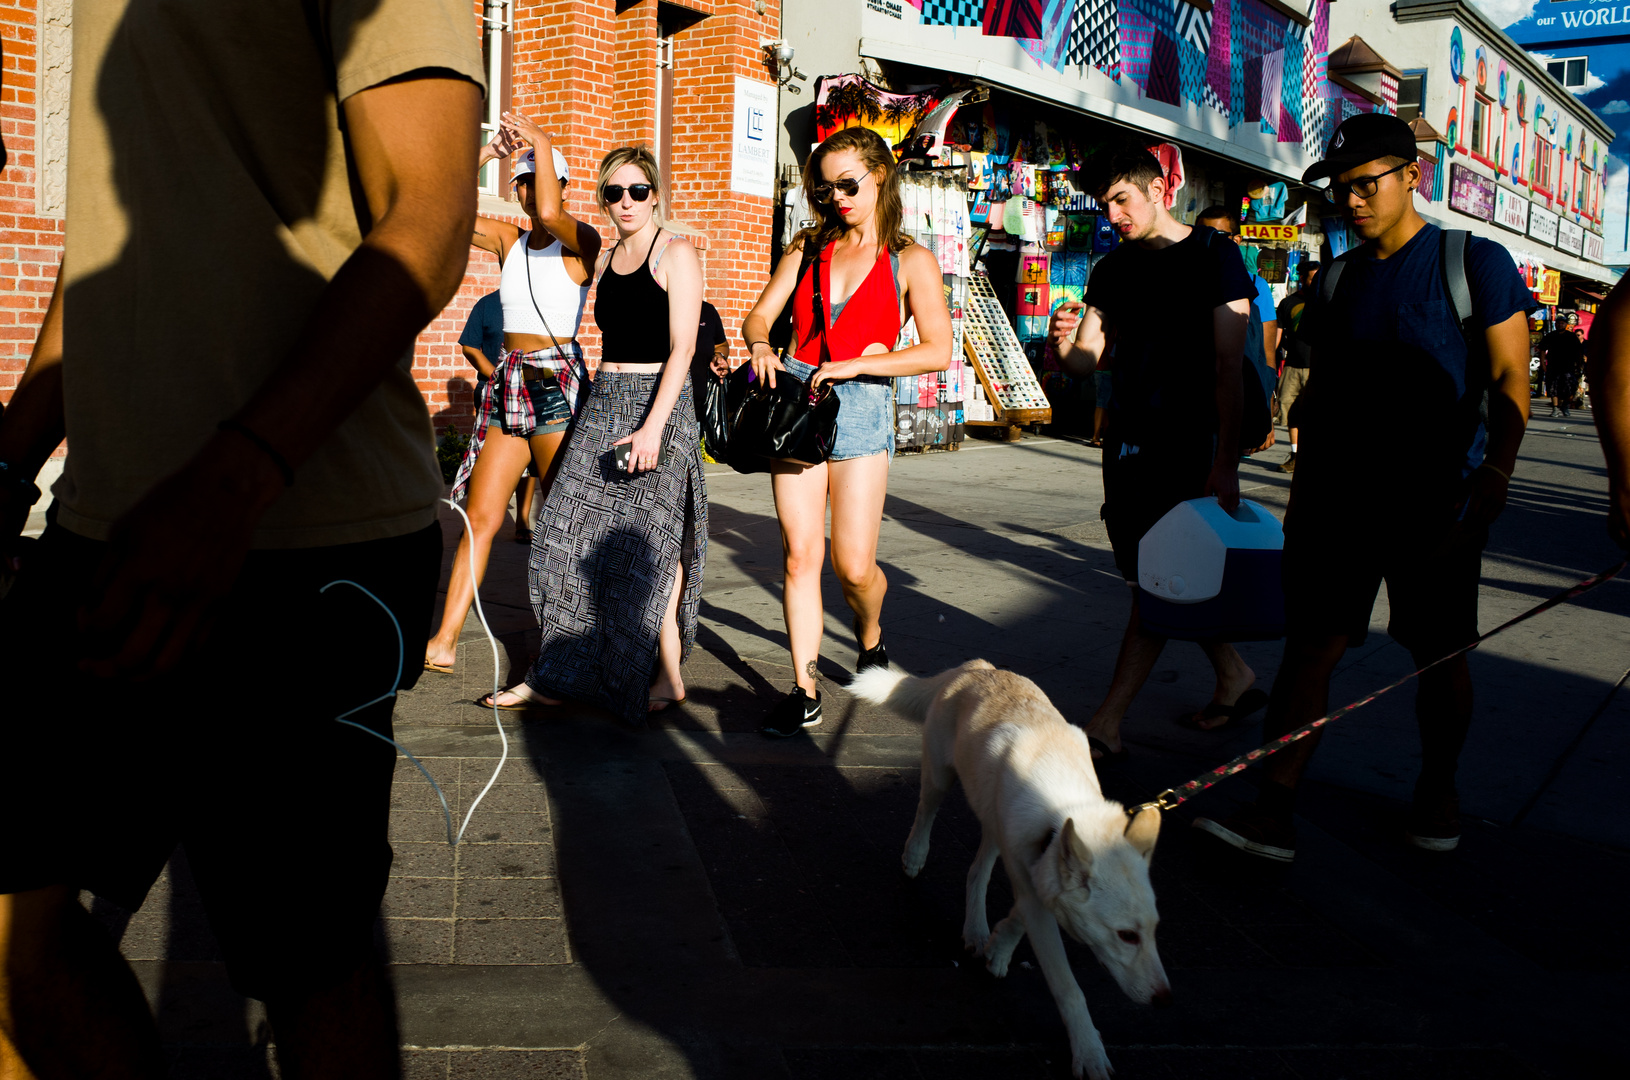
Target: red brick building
{"x":594,"y":73}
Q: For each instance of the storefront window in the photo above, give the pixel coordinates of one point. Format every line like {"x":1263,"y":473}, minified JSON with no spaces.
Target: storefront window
{"x":1411,"y":93}
{"x":1581,"y":197}
{"x":496,"y":58}
{"x":1480,"y":126}
{"x":1542,"y":164}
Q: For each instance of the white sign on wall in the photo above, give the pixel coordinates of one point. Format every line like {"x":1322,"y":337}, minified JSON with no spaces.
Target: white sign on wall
{"x":752,"y":158}
{"x":1542,"y":224}
{"x":1510,"y":210}
{"x":1570,"y":236}
{"x":1593,"y":247}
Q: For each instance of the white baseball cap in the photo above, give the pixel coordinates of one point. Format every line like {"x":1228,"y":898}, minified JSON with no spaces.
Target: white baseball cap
{"x":528,"y":164}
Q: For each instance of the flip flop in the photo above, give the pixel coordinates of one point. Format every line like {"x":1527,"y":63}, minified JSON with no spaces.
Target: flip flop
{"x":1252,"y":701}
{"x":667,"y":703}
{"x":438,"y":669}
{"x":1110,"y":757}
{"x":485,"y":702}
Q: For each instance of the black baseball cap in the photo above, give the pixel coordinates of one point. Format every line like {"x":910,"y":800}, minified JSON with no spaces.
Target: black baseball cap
{"x":1362,"y":139}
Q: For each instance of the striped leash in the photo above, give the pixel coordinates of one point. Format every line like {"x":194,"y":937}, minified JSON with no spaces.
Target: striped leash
{"x":1172,"y":798}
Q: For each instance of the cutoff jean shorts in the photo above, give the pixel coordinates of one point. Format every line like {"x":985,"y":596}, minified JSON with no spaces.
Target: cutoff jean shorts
{"x":865,"y":413}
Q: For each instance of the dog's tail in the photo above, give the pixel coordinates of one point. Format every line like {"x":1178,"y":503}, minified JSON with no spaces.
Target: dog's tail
{"x":904,"y":694}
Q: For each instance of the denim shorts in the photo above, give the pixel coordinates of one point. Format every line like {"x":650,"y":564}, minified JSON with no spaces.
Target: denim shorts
{"x":865,"y":413}
{"x":550,"y":412}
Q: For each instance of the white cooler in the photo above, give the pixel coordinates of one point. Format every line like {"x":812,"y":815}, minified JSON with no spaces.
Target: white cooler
{"x":1206,"y":573}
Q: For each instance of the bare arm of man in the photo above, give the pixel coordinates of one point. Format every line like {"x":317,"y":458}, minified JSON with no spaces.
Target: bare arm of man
{"x":1228,"y":325}
{"x":32,"y":425}
{"x":1508,"y":418}
{"x":1607,"y":365}
{"x":478,"y":360}
{"x":924,"y":290}
{"x":1077,"y":333}
{"x":173,"y":556}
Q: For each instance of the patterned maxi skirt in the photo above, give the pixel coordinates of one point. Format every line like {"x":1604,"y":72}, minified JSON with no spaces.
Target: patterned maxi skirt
{"x":608,"y":546}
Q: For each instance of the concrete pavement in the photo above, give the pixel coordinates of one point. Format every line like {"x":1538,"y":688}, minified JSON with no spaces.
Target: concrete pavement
{"x":695,"y":900}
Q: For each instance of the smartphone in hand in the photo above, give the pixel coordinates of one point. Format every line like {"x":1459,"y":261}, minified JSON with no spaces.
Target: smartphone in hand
{"x":621,"y":452}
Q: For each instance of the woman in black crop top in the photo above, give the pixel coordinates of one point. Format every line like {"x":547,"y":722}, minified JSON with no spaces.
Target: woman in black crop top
{"x":616,"y":569}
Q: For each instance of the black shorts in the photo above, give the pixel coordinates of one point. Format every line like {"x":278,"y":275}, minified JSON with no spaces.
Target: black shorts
{"x":1333,"y":569}
{"x":1141,"y":489}
{"x":235,"y":755}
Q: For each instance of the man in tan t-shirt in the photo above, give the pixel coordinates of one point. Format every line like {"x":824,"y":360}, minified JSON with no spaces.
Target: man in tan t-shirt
{"x":266,"y":203}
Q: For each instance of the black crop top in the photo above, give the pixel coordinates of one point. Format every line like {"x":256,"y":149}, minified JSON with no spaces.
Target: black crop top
{"x":632,"y":313}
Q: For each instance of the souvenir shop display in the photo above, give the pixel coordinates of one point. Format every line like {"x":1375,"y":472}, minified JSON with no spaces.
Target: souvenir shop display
{"x":1008,"y":393}
{"x":930,"y":408}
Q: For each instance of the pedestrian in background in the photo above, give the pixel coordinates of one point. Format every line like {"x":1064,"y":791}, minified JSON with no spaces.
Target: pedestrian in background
{"x":616,"y":571}
{"x":1173,"y":303}
{"x":482,"y":343}
{"x":1563,"y":356}
{"x":873,"y":277}
{"x":543,"y":288}
{"x":292,"y":183}
{"x":1298,"y":356}
{"x":1351,"y":526}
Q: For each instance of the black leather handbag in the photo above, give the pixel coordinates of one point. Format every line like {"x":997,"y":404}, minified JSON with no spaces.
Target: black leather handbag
{"x":754,"y":423}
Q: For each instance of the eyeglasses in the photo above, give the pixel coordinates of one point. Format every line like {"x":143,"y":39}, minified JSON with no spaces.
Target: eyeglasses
{"x":613,"y":193}
{"x":1364,"y":186}
{"x":849,"y":185}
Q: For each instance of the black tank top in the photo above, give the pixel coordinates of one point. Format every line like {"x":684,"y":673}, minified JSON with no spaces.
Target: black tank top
{"x":632,"y":313}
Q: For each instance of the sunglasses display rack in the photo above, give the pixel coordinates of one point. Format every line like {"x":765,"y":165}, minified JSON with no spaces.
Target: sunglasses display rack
{"x":1011,"y":396}
{"x":930,"y":408}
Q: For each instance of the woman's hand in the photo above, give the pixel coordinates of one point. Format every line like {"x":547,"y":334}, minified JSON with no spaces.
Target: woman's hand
{"x":834,"y":371}
{"x":765,"y":363}
{"x":646,"y":452}
{"x":528,"y":132}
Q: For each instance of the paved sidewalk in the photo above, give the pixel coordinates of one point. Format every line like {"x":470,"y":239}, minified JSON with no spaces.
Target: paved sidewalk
{"x":695,"y":900}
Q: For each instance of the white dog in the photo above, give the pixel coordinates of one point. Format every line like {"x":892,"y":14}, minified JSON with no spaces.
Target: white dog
{"x":1071,"y":855}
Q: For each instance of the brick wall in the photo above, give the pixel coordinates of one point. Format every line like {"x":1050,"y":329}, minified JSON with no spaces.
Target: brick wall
{"x":30,"y":244}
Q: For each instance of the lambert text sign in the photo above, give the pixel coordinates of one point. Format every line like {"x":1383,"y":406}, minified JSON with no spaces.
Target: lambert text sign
{"x":752,"y":158}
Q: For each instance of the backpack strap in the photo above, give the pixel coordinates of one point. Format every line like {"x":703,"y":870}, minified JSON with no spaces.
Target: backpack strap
{"x":1328,"y":277}
{"x":1454,"y":250}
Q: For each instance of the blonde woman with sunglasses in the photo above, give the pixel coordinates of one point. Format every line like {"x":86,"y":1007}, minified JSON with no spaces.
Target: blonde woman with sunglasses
{"x":616,"y":569}
{"x":873,"y":278}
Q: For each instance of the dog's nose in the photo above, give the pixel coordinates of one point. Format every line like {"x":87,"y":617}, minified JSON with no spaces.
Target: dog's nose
{"x":1162,"y":998}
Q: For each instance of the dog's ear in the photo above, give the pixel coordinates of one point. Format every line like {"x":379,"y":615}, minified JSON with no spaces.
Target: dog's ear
{"x":1143,"y":830}
{"x":1073,"y":853}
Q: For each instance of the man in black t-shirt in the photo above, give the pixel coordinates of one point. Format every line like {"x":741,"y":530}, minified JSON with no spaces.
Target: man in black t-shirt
{"x":1171,"y":305}
{"x":1353,"y":523}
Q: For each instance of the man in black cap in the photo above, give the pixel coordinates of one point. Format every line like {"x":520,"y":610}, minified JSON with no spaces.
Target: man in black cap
{"x":1419,"y":527}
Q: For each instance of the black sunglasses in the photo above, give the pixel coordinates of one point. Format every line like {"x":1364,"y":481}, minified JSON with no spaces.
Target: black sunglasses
{"x":637,"y":192}
{"x":1365,"y":186}
{"x":849,"y":185}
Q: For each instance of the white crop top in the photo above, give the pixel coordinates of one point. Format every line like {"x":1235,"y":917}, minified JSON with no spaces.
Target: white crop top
{"x":560,"y":299}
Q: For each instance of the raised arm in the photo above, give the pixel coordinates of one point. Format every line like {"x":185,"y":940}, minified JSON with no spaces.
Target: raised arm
{"x":181,"y":547}
{"x":577,"y":237}
{"x":1077,"y":333}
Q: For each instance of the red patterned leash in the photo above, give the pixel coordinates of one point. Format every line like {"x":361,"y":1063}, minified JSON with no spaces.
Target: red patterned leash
{"x":1172,"y":798}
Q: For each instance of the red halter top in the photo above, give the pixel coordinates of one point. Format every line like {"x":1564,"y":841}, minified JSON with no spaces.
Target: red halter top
{"x":871,"y":317}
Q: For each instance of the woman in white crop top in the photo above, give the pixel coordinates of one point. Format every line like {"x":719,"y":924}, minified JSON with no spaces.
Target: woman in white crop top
{"x":527,"y":405}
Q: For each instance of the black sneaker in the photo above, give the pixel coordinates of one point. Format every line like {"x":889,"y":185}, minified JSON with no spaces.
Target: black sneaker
{"x":1255,"y":833}
{"x":1434,"y":822}
{"x":876,"y":656}
{"x":795,"y":712}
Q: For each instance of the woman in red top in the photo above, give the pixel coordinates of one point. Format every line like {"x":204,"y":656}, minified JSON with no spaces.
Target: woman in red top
{"x":872,"y":278}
